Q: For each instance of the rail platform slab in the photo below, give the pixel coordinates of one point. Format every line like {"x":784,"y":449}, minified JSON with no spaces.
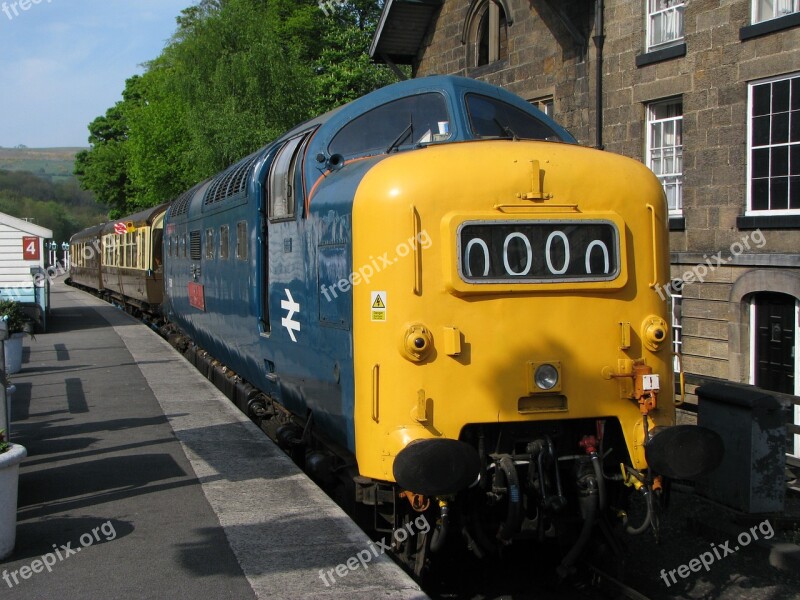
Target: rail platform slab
{"x":143,"y":481}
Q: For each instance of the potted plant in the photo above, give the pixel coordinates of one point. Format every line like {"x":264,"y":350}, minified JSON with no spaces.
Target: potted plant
{"x":11,"y":456}
{"x":18,"y":325}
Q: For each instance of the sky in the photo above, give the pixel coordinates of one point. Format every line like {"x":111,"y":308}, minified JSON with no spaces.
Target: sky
{"x":64,"y":62}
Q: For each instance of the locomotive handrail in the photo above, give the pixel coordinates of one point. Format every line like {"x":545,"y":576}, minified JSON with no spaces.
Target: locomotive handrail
{"x":535,"y":207}
{"x":652,"y":210}
{"x":375,"y":385}
{"x":416,"y":225}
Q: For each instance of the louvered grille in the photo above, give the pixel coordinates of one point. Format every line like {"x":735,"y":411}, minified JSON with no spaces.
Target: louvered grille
{"x":194,"y":245}
{"x":231,"y":183}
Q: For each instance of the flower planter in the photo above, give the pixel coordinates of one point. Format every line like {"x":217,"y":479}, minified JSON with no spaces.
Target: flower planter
{"x":9,"y":478}
{"x":13,"y":349}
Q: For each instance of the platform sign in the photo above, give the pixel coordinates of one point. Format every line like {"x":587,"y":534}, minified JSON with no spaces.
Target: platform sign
{"x":30,"y":248}
{"x":197,"y":295}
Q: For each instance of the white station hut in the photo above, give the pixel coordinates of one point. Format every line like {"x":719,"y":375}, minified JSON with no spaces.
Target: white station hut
{"x":22,"y":266}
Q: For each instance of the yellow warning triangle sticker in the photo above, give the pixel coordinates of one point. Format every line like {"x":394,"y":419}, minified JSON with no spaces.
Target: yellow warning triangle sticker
{"x":378,"y":303}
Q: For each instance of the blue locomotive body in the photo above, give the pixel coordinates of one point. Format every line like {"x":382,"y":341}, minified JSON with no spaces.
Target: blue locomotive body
{"x":254,"y":280}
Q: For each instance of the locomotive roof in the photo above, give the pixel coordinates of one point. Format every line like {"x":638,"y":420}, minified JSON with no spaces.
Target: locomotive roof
{"x":235,"y":183}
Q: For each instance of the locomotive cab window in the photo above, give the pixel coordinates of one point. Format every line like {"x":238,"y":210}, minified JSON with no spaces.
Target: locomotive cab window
{"x":396,"y":125}
{"x":492,"y":118}
{"x":282,"y":179}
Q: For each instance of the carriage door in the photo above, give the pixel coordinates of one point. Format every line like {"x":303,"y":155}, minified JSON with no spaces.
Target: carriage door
{"x":774,"y":356}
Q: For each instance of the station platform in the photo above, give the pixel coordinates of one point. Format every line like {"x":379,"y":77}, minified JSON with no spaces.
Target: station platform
{"x":143,"y":481}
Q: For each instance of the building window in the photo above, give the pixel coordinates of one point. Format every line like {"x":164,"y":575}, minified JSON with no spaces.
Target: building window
{"x":764,"y":10}
{"x":774,"y":146}
{"x":489,"y":34}
{"x":664,"y":23}
{"x":665,"y":149}
{"x":545,"y":105}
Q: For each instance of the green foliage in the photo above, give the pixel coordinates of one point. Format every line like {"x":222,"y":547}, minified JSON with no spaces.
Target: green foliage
{"x":235,"y":75}
{"x":10,"y":311}
{"x":4,"y":445}
{"x":61,"y":207}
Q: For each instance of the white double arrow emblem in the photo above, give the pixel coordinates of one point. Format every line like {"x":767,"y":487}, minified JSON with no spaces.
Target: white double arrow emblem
{"x":292,"y":307}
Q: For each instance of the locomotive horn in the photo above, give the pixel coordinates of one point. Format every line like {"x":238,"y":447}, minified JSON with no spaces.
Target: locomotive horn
{"x":436,"y":467}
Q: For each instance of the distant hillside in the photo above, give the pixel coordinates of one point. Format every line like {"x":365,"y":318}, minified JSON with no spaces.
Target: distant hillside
{"x":54,"y":164}
{"x":38,"y":184}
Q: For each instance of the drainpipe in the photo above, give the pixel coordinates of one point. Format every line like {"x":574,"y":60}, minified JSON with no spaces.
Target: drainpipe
{"x":599,"y":39}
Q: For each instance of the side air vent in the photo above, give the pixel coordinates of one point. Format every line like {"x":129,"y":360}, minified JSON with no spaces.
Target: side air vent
{"x":194,"y":245}
{"x":181,"y":204}
{"x":231,"y":183}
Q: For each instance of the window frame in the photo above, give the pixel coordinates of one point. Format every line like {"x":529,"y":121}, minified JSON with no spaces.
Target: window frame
{"x":792,"y":146}
{"x":650,"y":122}
{"x":754,"y":8}
{"x":679,"y":7}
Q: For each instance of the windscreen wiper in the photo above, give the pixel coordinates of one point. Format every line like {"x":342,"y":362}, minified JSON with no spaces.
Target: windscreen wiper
{"x":401,"y":138}
{"x":506,"y":129}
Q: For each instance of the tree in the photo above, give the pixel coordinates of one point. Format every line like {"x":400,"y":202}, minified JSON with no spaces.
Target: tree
{"x":235,"y":75}
{"x":102,"y":169}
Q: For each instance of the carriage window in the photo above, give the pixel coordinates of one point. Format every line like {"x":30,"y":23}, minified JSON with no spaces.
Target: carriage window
{"x":183,"y":245}
{"x":224,"y":242}
{"x":241,"y":240}
{"x":402,"y":123}
{"x":210,"y":244}
{"x":489,"y":117}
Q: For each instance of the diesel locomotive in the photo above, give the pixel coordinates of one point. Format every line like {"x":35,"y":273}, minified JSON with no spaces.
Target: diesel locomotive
{"x":442,"y":303}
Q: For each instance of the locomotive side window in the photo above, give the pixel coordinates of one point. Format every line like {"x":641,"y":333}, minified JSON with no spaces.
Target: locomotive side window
{"x":224,"y":242}
{"x":400,"y":123}
{"x":209,"y":244}
{"x":489,"y":117}
{"x":282,"y":196}
{"x":241,"y":240}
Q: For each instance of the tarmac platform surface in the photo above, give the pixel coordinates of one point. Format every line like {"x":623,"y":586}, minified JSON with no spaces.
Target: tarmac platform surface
{"x":143,"y":481}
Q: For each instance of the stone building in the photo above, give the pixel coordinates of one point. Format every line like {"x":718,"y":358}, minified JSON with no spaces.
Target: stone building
{"x":707,"y":94}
